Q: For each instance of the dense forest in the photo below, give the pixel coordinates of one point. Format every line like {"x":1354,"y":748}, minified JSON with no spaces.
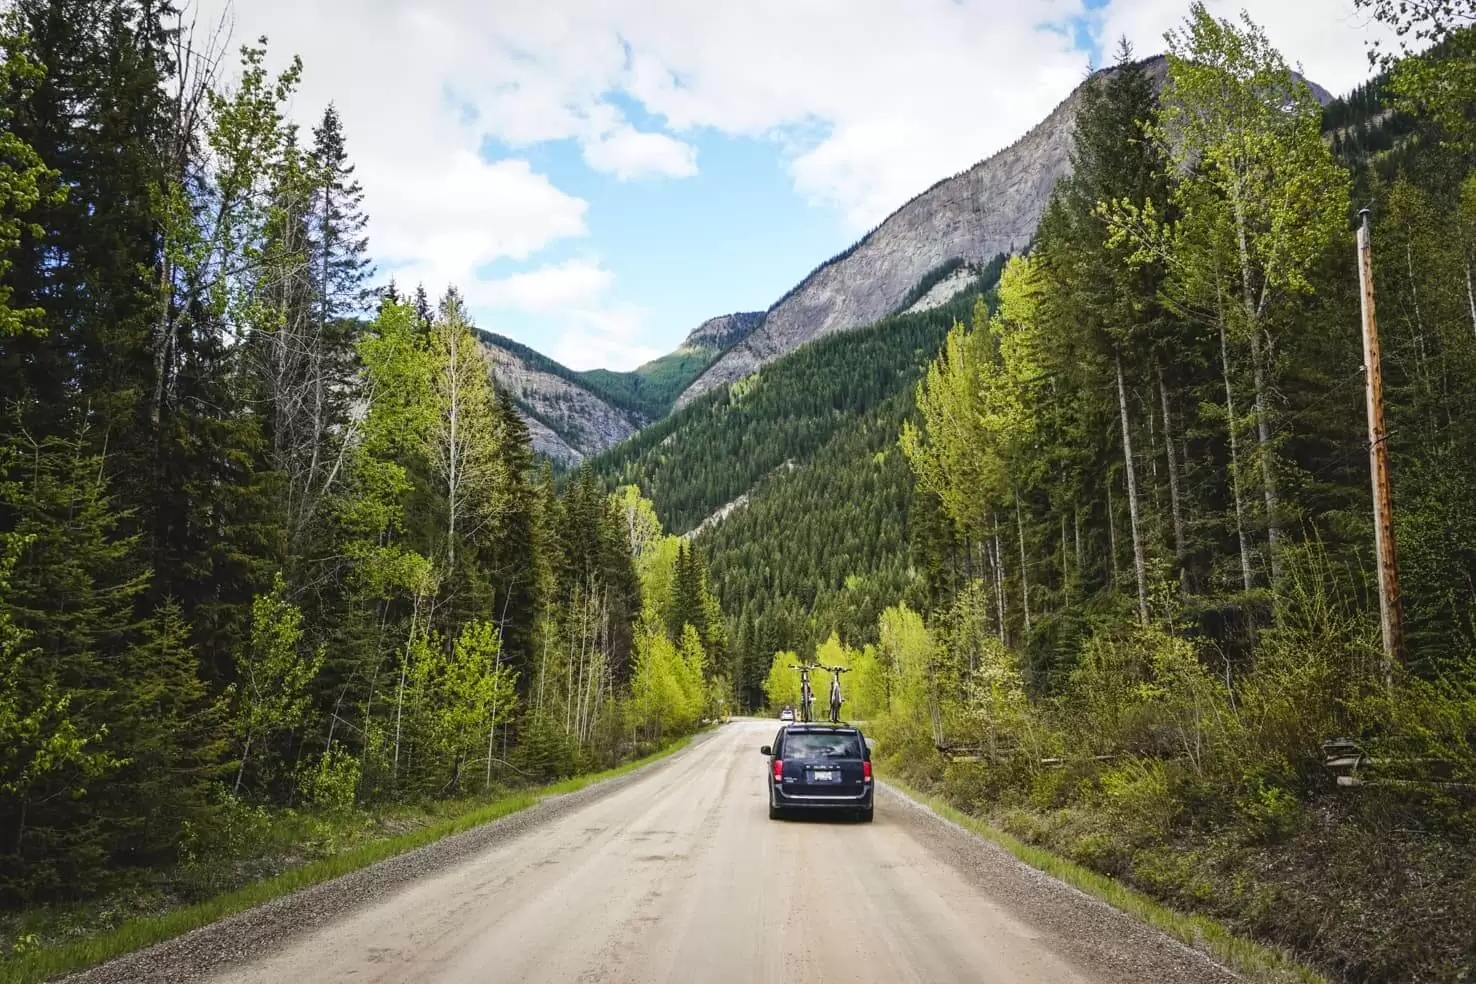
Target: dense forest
{"x":1144,"y":517}
{"x":710,"y":452}
{"x":271,"y":544}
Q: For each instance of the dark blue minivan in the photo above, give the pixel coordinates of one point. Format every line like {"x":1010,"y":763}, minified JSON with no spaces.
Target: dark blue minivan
{"x":820,"y":767}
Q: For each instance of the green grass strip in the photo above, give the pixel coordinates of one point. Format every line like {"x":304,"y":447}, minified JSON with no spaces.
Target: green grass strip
{"x":1255,"y":961}
{"x":45,"y":964}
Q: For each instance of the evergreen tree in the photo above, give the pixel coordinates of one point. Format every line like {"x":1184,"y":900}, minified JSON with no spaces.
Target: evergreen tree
{"x":339,"y":223}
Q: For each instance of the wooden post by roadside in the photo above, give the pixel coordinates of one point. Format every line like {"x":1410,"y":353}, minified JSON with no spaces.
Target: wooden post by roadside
{"x":1391,"y":615}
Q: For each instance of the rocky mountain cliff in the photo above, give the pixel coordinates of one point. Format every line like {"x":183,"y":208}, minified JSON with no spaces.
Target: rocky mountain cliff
{"x":722,"y":333}
{"x":991,"y":208}
{"x":567,"y":419}
{"x":572,"y":415}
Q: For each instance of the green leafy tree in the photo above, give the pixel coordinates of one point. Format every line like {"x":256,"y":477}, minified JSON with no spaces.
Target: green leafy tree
{"x":275,"y":674}
{"x":1261,"y":202}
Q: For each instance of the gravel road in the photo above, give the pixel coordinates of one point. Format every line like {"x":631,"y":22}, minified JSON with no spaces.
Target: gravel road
{"x":677,"y":874}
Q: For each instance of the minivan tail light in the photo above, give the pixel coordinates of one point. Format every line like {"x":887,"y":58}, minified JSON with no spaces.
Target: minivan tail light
{"x":866,"y":770}
{"x":778,"y":769}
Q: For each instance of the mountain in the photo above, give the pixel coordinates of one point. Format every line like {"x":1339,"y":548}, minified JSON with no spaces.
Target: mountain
{"x":574,"y":414}
{"x":651,"y":389}
{"x":991,"y":208}
{"x":781,"y":461}
{"x":568,"y":419}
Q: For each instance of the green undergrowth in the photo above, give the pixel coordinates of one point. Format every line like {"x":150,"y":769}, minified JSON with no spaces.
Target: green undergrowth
{"x":1253,"y":960}
{"x":44,"y":944}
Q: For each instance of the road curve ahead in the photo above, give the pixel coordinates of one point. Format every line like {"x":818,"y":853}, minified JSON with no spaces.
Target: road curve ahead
{"x":680,"y":876}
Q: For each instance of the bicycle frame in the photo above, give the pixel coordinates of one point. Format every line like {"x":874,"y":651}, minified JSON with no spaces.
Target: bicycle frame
{"x":807,"y":695}
{"x":836,"y":699}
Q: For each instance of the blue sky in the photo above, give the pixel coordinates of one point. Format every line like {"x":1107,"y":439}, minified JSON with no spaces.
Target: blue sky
{"x":732,"y":237}
{"x":599,"y":176}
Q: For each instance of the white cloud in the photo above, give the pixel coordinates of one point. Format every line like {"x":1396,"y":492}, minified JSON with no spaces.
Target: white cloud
{"x":1327,"y":38}
{"x":547,"y":289}
{"x":603,"y":338}
{"x":628,"y":153}
{"x":869,"y":101}
{"x":902,"y":92}
{"x":438,"y":212}
{"x":585,"y":328}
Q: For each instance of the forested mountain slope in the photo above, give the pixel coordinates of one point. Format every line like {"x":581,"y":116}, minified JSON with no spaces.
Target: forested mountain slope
{"x":566,"y":417}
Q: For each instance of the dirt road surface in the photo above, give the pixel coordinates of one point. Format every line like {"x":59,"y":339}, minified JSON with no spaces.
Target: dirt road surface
{"x":680,"y":876}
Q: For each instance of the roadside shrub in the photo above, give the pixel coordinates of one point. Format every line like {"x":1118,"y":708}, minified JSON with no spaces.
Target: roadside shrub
{"x":546,"y":752}
{"x":238,"y":829}
{"x":1268,"y":813}
{"x":330,"y":781}
{"x":1138,"y":799}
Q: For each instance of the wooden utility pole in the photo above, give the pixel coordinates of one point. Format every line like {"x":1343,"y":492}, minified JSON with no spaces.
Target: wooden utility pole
{"x":1391,"y":615}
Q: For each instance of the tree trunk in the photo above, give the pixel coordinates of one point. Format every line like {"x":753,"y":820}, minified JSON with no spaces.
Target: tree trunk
{"x":1268,"y":469}
{"x":1024,"y":566}
{"x":1471,"y":296}
{"x":1140,"y":567}
{"x":1077,"y":522}
{"x":1065,"y":558}
{"x":245,"y":754}
{"x":400,"y":691}
{"x":1111,"y":537}
{"x":1245,"y":561}
{"x":999,"y":586}
{"x":1173,"y":471}
{"x":454,"y":451}
{"x":163,"y":340}
{"x":1263,"y":423}
{"x":1414,"y":298}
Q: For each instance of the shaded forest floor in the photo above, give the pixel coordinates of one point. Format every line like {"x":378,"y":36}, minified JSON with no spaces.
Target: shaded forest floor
{"x":1357,"y":883}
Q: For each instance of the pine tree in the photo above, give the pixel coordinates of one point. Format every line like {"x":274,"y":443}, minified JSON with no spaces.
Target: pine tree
{"x":339,"y":223}
{"x":72,"y":593}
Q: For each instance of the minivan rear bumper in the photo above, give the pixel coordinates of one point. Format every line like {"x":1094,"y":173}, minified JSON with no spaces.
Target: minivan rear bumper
{"x":791,"y":801}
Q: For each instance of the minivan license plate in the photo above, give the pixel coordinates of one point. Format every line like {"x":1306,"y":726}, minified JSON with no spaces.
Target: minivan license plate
{"x":825,"y":775}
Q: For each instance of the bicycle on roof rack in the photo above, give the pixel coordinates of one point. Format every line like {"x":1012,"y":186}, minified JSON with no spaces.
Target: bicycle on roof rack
{"x":807,"y":694}
{"x":836,"y":700}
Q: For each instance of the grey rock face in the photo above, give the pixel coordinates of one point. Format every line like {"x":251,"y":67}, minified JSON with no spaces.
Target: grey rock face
{"x":567,"y":422}
{"x":991,"y":208}
{"x":723,"y":332}
{"x":944,"y":290}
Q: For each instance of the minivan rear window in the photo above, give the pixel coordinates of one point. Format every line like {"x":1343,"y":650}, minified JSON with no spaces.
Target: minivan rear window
{"x":821,"y":744}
